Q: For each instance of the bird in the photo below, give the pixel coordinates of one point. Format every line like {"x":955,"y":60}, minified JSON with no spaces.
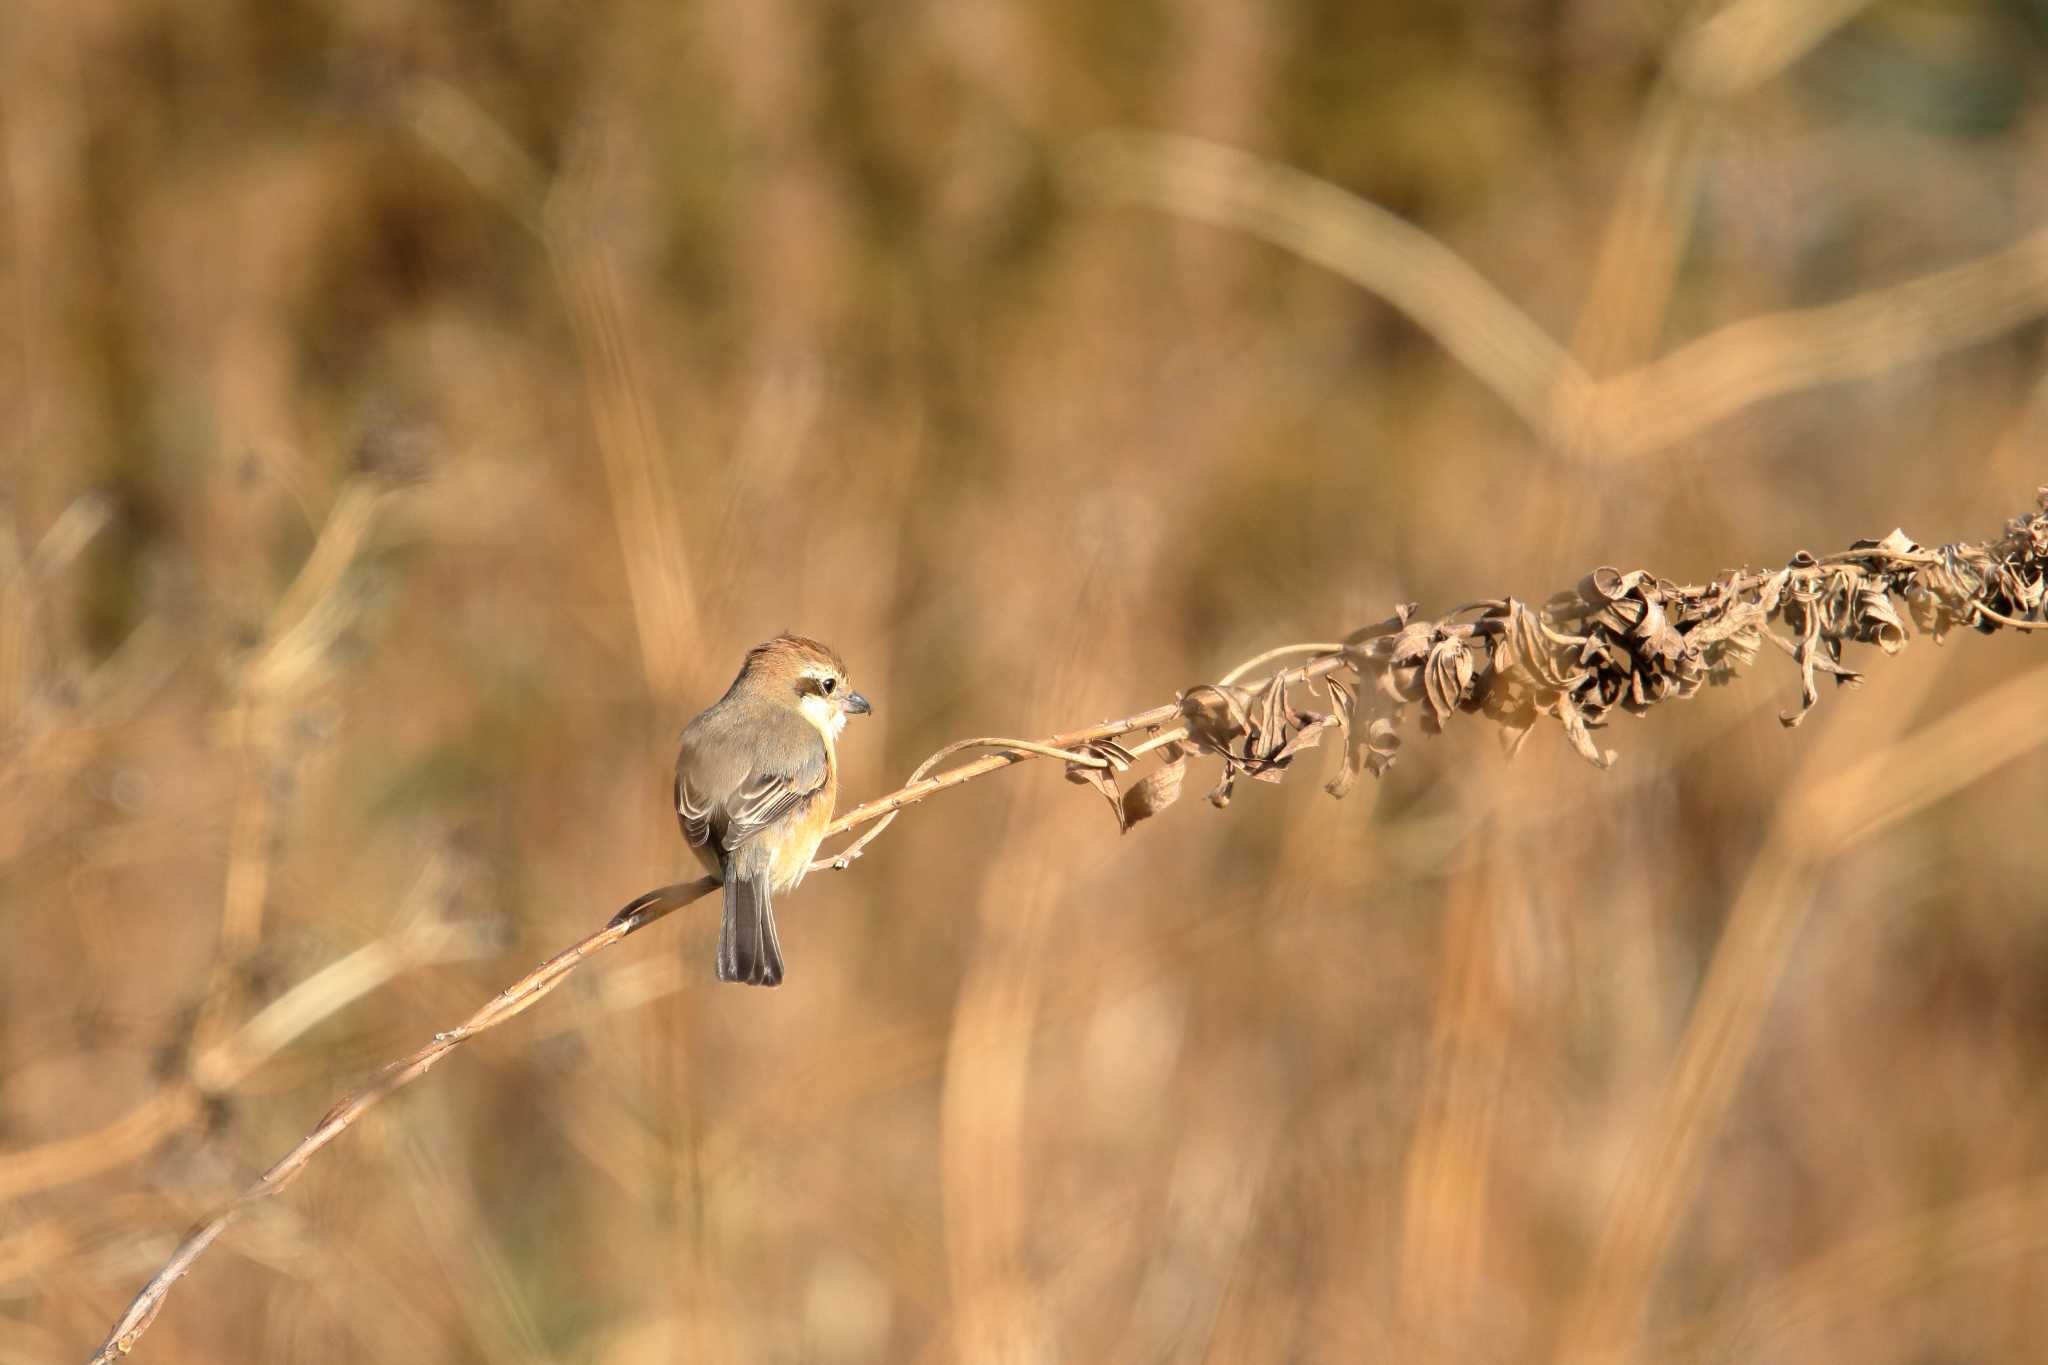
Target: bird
{"x":757,"y":773}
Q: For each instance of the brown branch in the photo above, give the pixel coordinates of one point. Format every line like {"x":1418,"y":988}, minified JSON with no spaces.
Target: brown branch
{"x":1618,"y":641}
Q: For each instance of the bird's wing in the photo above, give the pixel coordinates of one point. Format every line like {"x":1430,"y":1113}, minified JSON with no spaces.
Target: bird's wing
{"x":694,"y":810}
{"x":785,"y":765}
{"x":778,"y":784}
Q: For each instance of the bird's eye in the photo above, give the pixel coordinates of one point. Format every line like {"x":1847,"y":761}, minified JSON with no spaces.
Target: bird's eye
{"x":826,"y":685}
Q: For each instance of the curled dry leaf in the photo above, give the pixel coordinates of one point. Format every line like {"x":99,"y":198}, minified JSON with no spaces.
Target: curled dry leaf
{"x":1344,"y":704}
{"x":1157,"y":790}
{"x":1878,"y":622}
{"x":1382,"y":743}
{"x":1119,"y":758}
{"x":1529,"y":647}
{"x":1307,"y":729}
{"x":1253,"y":732}
{"x":1401,"y":658}
{"x":1446,"y":682}
{"x":1270,"y":717}
{"x":1100,"y":779}
{"x":1216,"y":716}
{"x":1576,"y":730}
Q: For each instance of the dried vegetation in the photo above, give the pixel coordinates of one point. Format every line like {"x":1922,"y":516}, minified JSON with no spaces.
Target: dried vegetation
{"x":877,"y":320}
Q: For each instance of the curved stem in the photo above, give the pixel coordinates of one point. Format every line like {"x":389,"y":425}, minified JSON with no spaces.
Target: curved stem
{"x":2005,"y":620}
{"x":1322,"y":647}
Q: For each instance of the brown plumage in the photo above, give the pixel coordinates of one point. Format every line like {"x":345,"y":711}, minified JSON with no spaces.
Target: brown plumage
{"x":757,"y":774}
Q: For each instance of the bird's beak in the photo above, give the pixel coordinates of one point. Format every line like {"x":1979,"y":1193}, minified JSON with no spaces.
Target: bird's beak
{"x":857,"y":704}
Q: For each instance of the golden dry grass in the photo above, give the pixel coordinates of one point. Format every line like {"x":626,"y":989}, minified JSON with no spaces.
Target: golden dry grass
{"x":411,"y":412}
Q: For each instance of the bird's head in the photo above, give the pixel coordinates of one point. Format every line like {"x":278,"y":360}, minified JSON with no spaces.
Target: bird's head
{"x":807,"y":674}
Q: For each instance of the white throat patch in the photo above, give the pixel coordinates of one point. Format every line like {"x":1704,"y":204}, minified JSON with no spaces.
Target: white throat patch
{"x":826,"y":718}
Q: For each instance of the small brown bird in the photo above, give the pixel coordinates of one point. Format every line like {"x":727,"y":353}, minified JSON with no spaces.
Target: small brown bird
{"x":756,"y":777}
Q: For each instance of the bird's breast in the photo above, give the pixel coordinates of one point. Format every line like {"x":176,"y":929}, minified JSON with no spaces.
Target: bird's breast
{"x":793,"y":854}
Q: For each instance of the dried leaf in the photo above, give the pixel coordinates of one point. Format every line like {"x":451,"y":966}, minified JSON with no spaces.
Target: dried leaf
{"x":1658,"y":640}
{"x":1897,"y":543}
{"x":1527,"y":649}
{"x":1269,"y":720}
{"x":1120,"y":759}
{"x":1100,"y":779}
{"x":1346,"y":703}
{"x":1447,"y":680}
{"x":1878,"y":621}
{"x":1929,"y":612}
{"x":1305,"y":733}
{"x":1383,"y":745}
{"x":1575,"y":729}
{"x":1217,"y":717}
{"x":1396,"y":661}
{"x":1809,"y":691}
{"x":1740,"y":628}
{"x":1768,"y":595}
{"x":1815,"y":655}
{"x":1157,"y":790}
{"x":1606,"y":584}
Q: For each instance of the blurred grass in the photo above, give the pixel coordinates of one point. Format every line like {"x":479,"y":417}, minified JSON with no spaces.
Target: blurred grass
{"x":664,"y":328}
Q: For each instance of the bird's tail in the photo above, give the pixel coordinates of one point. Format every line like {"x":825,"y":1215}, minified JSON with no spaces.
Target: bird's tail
{"x":748,"y":950}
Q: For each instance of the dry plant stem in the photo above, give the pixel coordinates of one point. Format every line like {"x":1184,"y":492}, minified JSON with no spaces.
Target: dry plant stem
{"x":2005,"y":620}
{"x":1617,"y":641}
{"x":302,"y":627}
{"x":520,"y":996}
{"x":1657,"y":401}
{"x":1282,"y":652}
{"x":320,"y":995}
{"x":1501,"y":345}
{"x":1749,"y":42}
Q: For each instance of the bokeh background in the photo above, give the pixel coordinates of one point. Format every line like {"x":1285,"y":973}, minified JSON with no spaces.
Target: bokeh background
{"x":411,"y":411}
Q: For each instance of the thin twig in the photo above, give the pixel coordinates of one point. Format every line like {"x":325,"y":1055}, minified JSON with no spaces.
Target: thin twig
{"x":2005,"y":620}
{"x":520,"y":996}
{"x":1282,"y":652}
{"x":1177,"y":734}
{"x":1029,"y":746}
